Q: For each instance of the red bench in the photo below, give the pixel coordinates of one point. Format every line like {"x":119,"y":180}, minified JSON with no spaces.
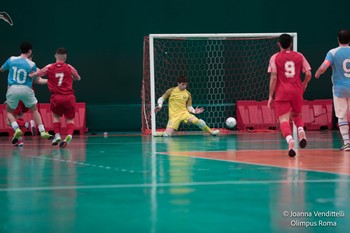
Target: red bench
{"x":46,"y":115}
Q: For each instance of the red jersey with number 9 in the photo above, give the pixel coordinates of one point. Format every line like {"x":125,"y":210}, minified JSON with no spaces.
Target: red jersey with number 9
{"x":288,"y":65}
{"x":60,"y":80}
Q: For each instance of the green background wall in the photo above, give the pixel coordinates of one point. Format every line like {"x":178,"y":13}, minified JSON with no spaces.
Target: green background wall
{"x":105,"y":41}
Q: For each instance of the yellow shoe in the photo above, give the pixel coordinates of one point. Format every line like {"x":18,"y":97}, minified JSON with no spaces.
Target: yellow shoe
{"x":66,"y":141}
{"x":18,"y":133}
{"x":46,"y":135}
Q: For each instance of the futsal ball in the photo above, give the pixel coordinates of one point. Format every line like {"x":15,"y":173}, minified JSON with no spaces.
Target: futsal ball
{"x":231,"y":122}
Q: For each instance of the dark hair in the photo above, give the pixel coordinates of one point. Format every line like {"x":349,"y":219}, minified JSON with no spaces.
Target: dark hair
{"x":285,"y":40}
{"x":61,"y":51}
{"x":182,"y":79}
{"x":25,"y":47}
{"x":344,"y":36}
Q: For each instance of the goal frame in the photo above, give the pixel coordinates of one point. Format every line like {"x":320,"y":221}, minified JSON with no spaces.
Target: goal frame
{"x":211,"y":36}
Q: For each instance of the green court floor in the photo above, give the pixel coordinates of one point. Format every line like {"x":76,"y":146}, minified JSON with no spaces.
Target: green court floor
{"x":243,"y":182}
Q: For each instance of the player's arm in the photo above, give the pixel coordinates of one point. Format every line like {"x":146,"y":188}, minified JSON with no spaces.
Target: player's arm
{"x":75,"y":74}
{"x":162,"y":99}
{"x":273,"y":81}
{"x":323,"y":67}
{"x":307,"y":72}
{"x":39,"y":72}
{"x":5,"y":66}
{"x":191,"y":109}
{"x":40,"y":81}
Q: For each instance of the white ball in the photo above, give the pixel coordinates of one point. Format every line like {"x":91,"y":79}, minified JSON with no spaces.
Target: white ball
{"x":231,"y":122}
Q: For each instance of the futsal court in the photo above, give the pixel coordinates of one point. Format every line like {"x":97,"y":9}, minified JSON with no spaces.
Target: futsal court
{"x":242,"y":182}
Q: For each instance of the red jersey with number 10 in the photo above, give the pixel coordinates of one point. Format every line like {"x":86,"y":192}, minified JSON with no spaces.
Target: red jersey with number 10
{"x":60,"y":79}
{"x":288,"y":65}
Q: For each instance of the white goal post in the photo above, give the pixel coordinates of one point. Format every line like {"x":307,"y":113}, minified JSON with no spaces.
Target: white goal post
{"x":218,"y":56}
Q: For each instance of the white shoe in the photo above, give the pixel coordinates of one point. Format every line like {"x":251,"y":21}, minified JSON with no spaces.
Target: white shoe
{"x":215,"y":132}
{"x":56,"y":140}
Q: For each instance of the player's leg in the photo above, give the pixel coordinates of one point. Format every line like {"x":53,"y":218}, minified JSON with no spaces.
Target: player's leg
{"x":282,"y":110}
{"x":341,"y":107}
{"x":30,"y":102}
{"x":172,"y":126}
{"x":12,"y":99}
{"x":57,"y":129}
{"x":69,"y":113}
{"x":202,"y":125}
{"x":297,"y":105}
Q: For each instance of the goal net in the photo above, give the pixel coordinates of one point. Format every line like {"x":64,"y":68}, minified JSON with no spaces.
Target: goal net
{"x":221,"y":68}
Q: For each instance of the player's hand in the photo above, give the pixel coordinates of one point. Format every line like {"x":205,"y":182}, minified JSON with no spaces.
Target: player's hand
{"x":157,"y":108}
{"x":198,"y":110}
{"x":269,"y":103}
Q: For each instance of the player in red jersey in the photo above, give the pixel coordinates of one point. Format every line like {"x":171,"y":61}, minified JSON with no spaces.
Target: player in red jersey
{"x":287,"y":89}
{"x":60,"y":83}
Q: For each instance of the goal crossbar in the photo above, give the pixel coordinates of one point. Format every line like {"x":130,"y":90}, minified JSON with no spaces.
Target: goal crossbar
{"x":206,"y":36}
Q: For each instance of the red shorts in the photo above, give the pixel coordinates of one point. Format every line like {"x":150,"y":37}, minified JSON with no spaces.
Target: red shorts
{"x":21,"y":108}
{"x":63,"y":105}
{"x":284,"y":106}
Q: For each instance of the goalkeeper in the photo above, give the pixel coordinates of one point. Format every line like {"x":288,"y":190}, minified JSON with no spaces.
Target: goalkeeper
{"x":180,"y":109}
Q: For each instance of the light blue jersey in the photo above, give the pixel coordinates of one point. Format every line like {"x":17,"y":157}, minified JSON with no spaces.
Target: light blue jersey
{"x":339,"y":59}
{"x":19,"y":70}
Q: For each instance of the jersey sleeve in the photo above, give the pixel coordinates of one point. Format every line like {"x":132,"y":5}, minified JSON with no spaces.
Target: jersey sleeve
{"x":305,"y":65}
{"x":43,"y":71}
{"x":74,"y":72}
{"x":272,"y":65}
{"x":6,"y":65}
{"x":189,"y":101}
{"x":329,"y":58}
{"x":167,"y":93}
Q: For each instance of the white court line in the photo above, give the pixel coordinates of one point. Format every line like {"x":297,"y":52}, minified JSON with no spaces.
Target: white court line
{"x":119,"y":186}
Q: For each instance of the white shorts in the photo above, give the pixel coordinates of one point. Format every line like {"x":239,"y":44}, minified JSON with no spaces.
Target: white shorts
{"x":341,"y":106}
{"x":15,"y":93}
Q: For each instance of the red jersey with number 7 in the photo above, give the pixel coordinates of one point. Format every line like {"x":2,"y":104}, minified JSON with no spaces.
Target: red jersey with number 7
{"x":60,"y":77}
{"x":288,"y":65}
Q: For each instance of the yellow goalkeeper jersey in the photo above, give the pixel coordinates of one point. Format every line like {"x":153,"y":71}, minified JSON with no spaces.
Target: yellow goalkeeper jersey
{"x":178,"y":101}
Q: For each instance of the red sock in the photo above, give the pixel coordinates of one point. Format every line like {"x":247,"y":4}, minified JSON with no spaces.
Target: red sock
{"x":57,"y":127}
{"x":20,"y":122}
{"x":298,"y":121}
{"x":70,"y":128}
{"x":285,"y":128}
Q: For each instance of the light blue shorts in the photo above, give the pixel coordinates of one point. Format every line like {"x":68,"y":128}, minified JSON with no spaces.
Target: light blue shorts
{"x":15,"y":93}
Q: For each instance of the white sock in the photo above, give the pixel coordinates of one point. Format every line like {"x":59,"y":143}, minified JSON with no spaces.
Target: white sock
{"x":41,"y":128}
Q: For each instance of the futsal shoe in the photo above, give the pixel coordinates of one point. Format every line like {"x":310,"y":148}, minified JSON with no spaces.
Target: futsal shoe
{"x":46,"y":135}
{"x":302,"y":138}
{"x":215,"y":132}
{"x":158,"y":134}
{"x":345,"y":147}
{"x":291,"y":146}
{"x":56,"y":140}
{"x":18,"y":133}
{"x":66,"y":141}
{"x":19,"y":143}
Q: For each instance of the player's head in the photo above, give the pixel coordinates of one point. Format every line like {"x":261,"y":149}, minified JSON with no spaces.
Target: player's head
{"x":26,"y":48}
{"x":182,"y":82}
{"x":61,"y":54}
{"x":344,"y":36}
{"x":285,"y":41}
